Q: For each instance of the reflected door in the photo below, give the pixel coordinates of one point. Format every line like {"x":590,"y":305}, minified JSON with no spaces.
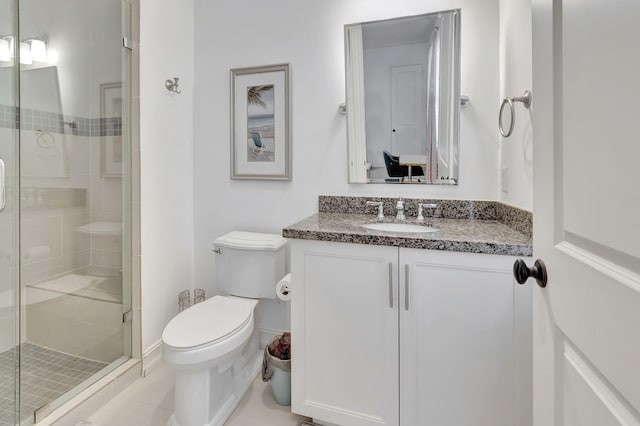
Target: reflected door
{"x":407,"y":107}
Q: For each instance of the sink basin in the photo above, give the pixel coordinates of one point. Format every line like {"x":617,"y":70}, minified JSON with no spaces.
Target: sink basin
{"x":399,"y":227}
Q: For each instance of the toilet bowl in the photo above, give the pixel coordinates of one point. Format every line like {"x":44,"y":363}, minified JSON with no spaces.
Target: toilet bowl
{"x":213,"y":346}
{"x":209,"y":331}
{"x":214,"y":350}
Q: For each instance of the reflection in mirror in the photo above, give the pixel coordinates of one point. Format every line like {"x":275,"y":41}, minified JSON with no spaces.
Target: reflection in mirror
{"x":42,"y":150}
{"x":42,"y":145}
{"x":403,"y":90}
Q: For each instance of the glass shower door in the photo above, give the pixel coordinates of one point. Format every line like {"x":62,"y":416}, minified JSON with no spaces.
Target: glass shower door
{"x":65,"y":198}
{"x":9,"y":219}
{"x":75,"y":202}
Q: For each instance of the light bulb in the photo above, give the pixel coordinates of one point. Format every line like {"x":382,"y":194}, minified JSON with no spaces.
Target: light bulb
{"x":25,"y":53}
{"x":5,"y":50}
{"x":38,"y":51}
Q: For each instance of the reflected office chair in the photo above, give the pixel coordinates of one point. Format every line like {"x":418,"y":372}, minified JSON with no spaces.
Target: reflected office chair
{"x":394,"y":169}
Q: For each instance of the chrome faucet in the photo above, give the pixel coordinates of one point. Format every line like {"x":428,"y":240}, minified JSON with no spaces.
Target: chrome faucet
{"x":380,"y":205}
{"x":400,"y":209}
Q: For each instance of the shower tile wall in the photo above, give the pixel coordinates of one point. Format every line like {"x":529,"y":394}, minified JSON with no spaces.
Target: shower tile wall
{"x":81,"y":324}
{"x":85,"y":319}
{"x":8,"y":273}
{"x":50,"y":242}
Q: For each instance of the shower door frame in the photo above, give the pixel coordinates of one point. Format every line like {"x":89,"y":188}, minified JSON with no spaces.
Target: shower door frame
{"x":131,"y":211}
{"x":12,"y":206}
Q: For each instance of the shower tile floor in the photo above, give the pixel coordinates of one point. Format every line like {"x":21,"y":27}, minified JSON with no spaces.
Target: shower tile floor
{"x":45,"y":375}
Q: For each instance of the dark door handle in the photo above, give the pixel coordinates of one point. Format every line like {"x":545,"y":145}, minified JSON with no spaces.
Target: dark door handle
{"x":522,"y":272}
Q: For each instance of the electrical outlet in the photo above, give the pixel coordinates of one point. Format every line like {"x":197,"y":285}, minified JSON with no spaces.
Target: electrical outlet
{"x":504,"y":180}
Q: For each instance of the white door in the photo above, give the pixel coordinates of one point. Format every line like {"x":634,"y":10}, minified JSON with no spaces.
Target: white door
{"x":586,"y":81}
{"x":407,"y":110}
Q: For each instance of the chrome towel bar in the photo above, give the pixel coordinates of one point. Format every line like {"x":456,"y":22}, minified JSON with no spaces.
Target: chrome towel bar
{"x":526,"y":101}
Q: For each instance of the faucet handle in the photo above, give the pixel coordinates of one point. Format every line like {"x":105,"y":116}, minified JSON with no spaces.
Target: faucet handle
{"x":380,"y":205}
{"x":422,"y":206}
{"x":400,"y":209}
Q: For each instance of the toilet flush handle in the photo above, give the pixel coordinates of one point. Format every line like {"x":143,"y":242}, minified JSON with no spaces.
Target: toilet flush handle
{"x":219,"y":251}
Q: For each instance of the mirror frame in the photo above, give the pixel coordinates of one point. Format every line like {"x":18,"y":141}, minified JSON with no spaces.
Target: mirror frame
{"x":356,"y":115}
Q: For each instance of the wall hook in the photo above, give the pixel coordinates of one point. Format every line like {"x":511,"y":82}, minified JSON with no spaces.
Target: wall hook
{"x":172,"y":86}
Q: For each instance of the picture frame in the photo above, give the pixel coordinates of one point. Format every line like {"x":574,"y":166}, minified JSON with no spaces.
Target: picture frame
{"x":261,"y":123}
{"x":111,"y":129}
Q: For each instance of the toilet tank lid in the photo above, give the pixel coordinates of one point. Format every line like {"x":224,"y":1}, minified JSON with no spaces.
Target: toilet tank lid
{"x":250,"y":241}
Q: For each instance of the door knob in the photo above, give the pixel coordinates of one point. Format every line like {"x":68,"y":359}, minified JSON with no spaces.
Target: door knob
{"x":522,"y":272}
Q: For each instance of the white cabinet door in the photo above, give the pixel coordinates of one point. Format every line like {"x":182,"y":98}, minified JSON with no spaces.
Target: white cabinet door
{"x":344,"y":325}
{"x":465,"y":341}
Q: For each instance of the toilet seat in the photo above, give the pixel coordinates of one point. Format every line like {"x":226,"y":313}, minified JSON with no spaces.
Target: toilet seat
{"x":208,"y":330}
{"x":207,"y":322}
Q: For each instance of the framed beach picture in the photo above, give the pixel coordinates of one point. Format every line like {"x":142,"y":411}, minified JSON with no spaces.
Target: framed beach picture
{"x":111,"y":128}
{"x":260,"y":123}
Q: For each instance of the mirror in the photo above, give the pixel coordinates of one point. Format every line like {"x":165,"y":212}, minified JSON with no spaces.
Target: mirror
{"x":403,"y":91}
{"x":42,"y":142}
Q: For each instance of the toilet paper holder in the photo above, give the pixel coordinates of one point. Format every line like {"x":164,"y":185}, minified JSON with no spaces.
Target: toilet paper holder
{"x":283,"y":288}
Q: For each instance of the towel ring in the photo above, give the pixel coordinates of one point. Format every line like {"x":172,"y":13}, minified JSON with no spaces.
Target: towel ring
{"x":526,"y":101}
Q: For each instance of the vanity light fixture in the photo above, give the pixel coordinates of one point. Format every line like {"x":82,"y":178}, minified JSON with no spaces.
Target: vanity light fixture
{"x":32,"y":50}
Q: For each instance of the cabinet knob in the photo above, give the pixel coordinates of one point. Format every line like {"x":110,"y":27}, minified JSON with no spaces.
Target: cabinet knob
{"x":522,"y":272}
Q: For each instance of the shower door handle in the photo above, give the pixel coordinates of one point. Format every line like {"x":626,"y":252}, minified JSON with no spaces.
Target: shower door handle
{"x":3,"y":198}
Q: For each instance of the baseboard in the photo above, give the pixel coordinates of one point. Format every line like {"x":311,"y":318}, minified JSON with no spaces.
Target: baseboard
{"x":151,"y":358}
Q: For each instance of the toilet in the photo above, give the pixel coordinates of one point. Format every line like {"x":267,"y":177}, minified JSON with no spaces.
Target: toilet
{"x":214,"y":346}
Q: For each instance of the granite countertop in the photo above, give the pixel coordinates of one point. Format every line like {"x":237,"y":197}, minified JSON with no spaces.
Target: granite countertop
{"x":461,"y":235}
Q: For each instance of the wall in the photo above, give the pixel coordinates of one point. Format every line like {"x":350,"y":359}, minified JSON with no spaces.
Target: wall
{"x":166,"y":138}
{"x":309,"y":36}
{"x":516,"y":152}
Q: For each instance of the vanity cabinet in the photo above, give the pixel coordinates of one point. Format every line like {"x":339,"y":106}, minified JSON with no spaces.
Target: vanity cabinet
{"x":411,"y":337}
{"x":344,"y":325}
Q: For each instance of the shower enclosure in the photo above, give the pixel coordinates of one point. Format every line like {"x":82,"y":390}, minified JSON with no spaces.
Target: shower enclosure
{"x":65,"y":200}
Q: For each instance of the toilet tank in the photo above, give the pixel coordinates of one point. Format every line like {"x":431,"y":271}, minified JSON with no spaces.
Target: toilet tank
{"x":249,"y":264}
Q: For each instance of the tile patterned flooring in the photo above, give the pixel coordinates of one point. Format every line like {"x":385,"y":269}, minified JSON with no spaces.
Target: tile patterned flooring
{"x":149,"y":402}
{"x":45,"y":375}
